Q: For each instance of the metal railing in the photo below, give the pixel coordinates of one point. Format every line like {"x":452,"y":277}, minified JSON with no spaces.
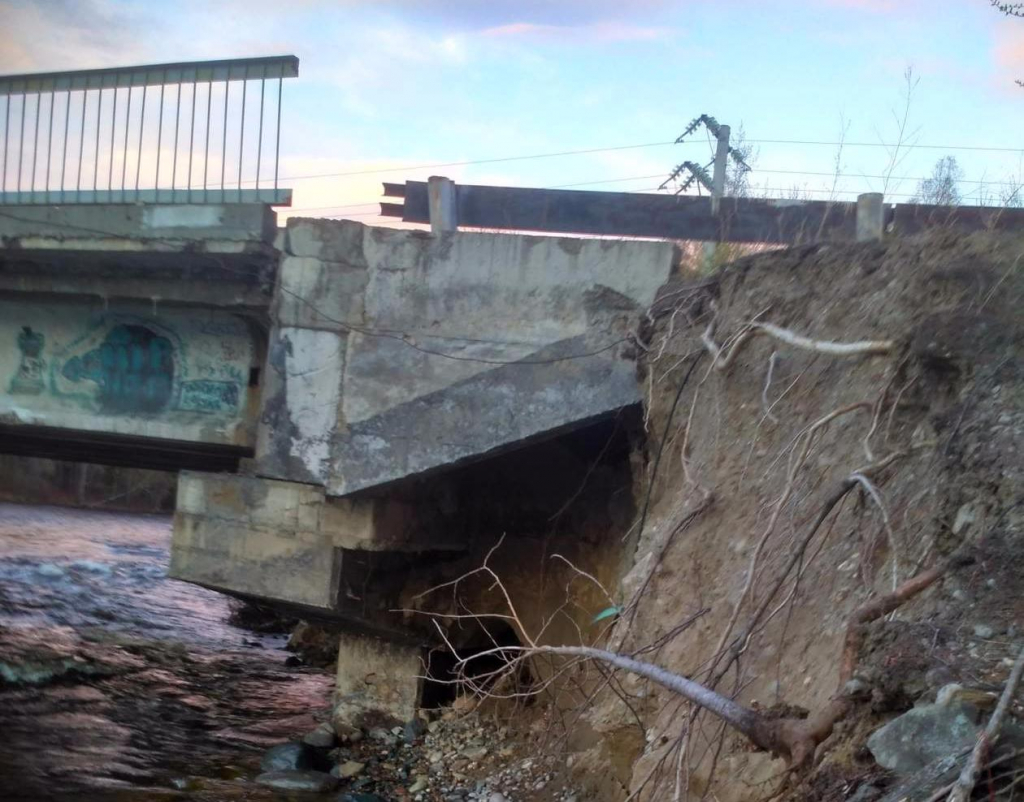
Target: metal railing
{"x":160,"y":133}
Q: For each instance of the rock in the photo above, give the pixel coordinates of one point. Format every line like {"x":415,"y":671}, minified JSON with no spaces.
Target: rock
{"x":412,"y":730}
{"x":983,"y":631}
{"x":288,"y":757}
{"x":497,"y":796}
{"x":866,"y":793}
{"x":313,"y":781}
{"x":434,"y":726}
{"x":924,"y":734}
{"x":322,"y":737}
{"x":291,"y":661}
{"x":345,"y":732}
{"x":937,"y":676}
{"x":475,"y":752}
{"x":965,"y":516}
{"x":421,"y":784}
{"x":350,"y":768}
{"x":857,"y":688}
{"x":355,"y":796}
{"x":50,"y":570}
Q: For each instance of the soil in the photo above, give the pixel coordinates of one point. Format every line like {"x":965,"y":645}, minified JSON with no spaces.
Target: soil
{"x":947,"y":397}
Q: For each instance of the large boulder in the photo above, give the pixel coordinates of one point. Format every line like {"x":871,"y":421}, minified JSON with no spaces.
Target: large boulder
{"x":930,"y":733}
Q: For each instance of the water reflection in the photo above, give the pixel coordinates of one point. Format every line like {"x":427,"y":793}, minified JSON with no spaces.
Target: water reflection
{"x":119,"y":683}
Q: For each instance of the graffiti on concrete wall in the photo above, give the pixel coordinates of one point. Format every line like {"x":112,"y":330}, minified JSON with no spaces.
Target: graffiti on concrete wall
{"x":133,"y":370}
{"x":28,"y":380}
{"x":124,"y":364}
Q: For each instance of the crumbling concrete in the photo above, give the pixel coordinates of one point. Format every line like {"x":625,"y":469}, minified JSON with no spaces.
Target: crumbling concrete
{"x":396,"y":353}
{"x":376,"y":676}
{"x":289,"y":542}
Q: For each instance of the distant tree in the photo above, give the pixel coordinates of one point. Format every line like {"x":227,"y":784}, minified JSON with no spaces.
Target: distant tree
{"x":1010,"y":10}
{"x":942,"y":188}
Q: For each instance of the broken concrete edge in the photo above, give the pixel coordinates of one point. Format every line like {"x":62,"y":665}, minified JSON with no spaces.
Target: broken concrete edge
{"x":344,"y":358}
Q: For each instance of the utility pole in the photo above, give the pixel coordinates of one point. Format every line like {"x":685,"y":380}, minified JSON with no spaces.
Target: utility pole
{"x":717,"y":187}
{"x":715,"y":183}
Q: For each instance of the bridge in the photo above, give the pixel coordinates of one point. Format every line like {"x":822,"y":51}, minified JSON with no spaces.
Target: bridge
{"x":356,"y":413}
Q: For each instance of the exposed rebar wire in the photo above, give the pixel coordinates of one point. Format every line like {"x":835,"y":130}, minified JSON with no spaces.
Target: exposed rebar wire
{"x":21,"y":139}
{"x":259,"y":137}
{"x":49,"y":143}
{"x":35,"y":144}
{"x":174,"y":160}
{"x":241,"y":139}
{"x":127,"y":126}
{"x":206,"y":139}
{"x":81,"y":142}
{"x":113,"y":133}
{"x":191,"y":140}
{"x":96,"y":157}
{"x":7,"y":139}
{"x":277,"y":140}
{"x":64,"y":144}
{"x":224,"y":138}
{"x":160,"y":135}
{"x":142,"y":125}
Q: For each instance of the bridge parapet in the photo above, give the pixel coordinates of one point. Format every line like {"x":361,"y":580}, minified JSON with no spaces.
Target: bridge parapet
{"x":155,"y":133}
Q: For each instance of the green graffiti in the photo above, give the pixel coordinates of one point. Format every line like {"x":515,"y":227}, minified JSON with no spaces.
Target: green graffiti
{"x":133,"y":369}
{"x":29,"y":378}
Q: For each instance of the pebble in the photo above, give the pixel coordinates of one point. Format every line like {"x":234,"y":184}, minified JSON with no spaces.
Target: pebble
{"x":322,"y":737}
{"x":350,"y":768}
{"x":983,"y":631}
{"x":421,"y":784}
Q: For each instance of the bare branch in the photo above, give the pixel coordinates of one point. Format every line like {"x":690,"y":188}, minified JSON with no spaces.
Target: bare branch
{"x":969,"y":776}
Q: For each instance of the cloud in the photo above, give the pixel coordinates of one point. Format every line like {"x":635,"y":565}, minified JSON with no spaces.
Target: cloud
{"x":1008,"y":50}
{"x":68,"y":34}
{"x":484,"y":14}
{"x":872,"y":6}
{"x":604,"y":31}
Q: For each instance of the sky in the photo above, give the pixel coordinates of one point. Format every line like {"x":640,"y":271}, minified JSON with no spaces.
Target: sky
{"x":388,"y":86}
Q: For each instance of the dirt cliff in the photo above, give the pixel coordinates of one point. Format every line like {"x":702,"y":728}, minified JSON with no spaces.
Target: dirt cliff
{"x":893,"y":372}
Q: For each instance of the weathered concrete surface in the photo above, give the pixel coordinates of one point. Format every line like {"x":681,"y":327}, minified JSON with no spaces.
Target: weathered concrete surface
{"x":127,"y":369}
{"x":214,"y":255}
{"x":376,"y":676}
{"x":290,"y":542}
{"x":418,"y":352}
{"x":134,"y":226}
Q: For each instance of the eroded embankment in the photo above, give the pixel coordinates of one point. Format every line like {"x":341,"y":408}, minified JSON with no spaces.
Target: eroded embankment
{"x":905,"y":442}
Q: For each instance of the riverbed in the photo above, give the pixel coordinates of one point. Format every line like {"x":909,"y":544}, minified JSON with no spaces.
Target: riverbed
{"x":117,"y":682}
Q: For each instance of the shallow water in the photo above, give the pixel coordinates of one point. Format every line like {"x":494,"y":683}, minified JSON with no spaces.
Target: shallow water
{"x":119,"y":683}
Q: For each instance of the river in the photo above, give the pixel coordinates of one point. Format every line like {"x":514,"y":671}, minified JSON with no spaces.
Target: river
{"x":119,"y":683}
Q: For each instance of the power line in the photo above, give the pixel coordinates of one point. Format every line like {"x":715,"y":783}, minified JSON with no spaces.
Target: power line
{"x":585,"y":151}
{"x":825,"y":174}
{"x":991,"y":149}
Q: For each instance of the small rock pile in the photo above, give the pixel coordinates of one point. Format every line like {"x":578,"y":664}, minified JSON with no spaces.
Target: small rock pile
{"x":452,"y":757}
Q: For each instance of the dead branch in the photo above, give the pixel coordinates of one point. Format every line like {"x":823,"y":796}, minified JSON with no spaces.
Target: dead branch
{"x":969,"y":776}
{"x":749,"y":330}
